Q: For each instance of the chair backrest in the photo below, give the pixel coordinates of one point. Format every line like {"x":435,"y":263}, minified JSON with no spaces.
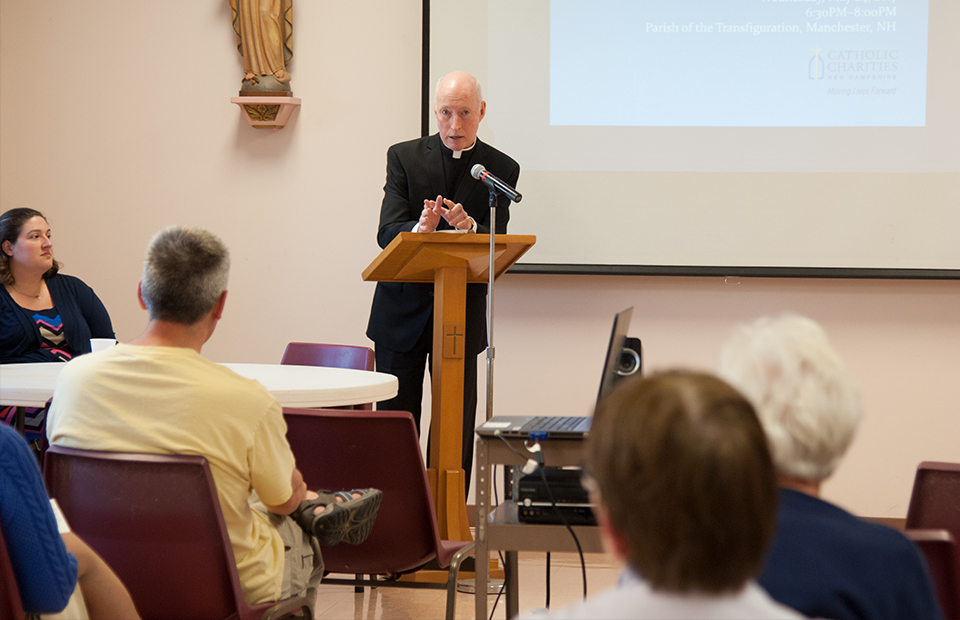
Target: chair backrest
{"x":358,"y":449}
{"x":935,"y":500}
{"x":10,"y":606}
{"x":943,"y":560}
{"x":330,"y":355}
{"x":156,"y":520}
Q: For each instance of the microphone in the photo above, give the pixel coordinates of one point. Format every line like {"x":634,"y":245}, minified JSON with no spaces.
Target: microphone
{"x":481,"y":174}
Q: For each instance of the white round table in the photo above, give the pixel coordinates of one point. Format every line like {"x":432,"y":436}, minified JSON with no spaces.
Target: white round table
{"x":31,"y":385}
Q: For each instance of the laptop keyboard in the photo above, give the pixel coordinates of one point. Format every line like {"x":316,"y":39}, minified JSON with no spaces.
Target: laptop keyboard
{"x":553,"y":423}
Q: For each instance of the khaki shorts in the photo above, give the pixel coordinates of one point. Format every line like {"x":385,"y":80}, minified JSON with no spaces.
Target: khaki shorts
{"x":302,"y":561}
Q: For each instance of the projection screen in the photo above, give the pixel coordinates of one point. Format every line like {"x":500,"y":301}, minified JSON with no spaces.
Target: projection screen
{"x":765,"y":137}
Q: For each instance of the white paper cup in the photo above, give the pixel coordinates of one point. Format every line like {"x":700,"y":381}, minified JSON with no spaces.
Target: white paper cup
{"x":99,"y":344}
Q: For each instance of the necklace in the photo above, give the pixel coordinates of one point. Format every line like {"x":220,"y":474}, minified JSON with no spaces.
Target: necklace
{"x":37,"y":296}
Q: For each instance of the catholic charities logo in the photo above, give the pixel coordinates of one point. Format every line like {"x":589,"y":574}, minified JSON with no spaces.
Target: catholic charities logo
{"x":816,"y":65}
{"x":853,"y":64}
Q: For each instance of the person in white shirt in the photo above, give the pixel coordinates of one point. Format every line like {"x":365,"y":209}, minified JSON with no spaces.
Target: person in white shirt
{"x":686,"y":497}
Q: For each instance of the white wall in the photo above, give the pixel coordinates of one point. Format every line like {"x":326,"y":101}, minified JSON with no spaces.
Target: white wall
{"x":115,"y":120}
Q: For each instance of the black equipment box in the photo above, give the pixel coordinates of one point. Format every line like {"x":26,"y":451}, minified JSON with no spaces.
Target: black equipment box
{"x":573,"y":501}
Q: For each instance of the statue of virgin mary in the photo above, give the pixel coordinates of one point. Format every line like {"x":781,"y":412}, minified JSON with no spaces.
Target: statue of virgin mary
{"x":265,"y":40}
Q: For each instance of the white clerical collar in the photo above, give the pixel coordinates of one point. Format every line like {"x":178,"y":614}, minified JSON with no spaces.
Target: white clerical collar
{"x":457,"y":154}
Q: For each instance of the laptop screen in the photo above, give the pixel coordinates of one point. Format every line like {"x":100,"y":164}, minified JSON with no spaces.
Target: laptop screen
{"x":621,"y":323}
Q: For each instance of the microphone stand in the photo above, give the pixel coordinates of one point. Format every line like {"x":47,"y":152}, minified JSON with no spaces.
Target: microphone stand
{"x":490,"y":350}
{"x":510,"y":557}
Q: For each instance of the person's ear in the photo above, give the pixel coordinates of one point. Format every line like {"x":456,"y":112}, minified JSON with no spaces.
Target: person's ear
{"x":140,"y":295}
{"x":483,"y":109}
{"x":8,"y":248}
{"x":218,"y":309}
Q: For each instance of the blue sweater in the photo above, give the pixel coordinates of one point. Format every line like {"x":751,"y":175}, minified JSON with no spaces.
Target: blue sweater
{"x":826,"y":563}
{"x":83,"y":314}
{"x":46,"y":573}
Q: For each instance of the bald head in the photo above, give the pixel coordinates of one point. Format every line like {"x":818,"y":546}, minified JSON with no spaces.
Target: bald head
{"x":459,"y":107}
{"x":459,"y":80}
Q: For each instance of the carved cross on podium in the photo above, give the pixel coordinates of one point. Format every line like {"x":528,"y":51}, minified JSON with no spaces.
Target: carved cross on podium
{"x":453,"y":343}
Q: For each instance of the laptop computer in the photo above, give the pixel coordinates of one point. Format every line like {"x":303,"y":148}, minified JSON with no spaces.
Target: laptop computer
{"x":564,"y":427}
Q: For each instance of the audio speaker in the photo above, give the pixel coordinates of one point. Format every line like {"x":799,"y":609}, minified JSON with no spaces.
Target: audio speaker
{"x":631,"y":359}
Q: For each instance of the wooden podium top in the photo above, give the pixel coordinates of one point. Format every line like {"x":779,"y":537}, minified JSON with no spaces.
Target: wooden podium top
{"x":415,"y":257}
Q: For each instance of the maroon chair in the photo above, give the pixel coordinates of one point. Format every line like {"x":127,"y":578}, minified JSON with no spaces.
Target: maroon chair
{"x":331,"y":356}
{"x":156,"y":520}
{"x":935,"y":499}
{"x":943,"y":560}
{"x":10,"y":606}
{"x":337,"y":450}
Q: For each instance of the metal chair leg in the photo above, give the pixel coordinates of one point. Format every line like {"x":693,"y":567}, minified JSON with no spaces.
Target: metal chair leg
{"x":453,"y":573}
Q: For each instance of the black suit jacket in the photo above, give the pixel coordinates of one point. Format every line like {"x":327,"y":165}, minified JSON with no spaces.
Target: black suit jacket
{"x":402,"y":310}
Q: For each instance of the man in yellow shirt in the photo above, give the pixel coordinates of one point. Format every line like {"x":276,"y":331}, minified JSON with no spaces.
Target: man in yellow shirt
{"x":157,"y":394}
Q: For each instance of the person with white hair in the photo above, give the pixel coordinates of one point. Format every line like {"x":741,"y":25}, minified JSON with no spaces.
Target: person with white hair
{"x":429,"y":188}
{"x":824,"y":562}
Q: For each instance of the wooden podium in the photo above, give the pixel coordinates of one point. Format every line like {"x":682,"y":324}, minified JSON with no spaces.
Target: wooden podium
{"x":449,"y":260}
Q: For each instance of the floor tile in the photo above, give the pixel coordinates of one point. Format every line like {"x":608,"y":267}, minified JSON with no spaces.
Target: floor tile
{"x":566,"y":587}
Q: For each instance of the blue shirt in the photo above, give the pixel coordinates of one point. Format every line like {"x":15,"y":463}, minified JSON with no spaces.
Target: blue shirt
{"x":46,"y":573}
{"x":827,"y":563}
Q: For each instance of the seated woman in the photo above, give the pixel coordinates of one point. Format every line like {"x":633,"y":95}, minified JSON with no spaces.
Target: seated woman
{"x":824,"y":561}
{"x":45,"y":316}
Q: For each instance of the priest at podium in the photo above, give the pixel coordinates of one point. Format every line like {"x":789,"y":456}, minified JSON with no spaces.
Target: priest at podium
{"x":429,"y":188}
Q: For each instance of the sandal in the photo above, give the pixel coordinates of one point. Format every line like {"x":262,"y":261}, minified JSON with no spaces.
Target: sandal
{"x":351,"y":520}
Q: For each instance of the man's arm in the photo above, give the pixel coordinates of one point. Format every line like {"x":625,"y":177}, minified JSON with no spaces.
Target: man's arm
{"x":397,"y":214}
{"x":270,"y":460}
{"x":298,"y":495}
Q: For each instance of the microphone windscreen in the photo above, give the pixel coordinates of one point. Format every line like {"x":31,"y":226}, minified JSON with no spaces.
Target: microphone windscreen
{"x":477,"y":171}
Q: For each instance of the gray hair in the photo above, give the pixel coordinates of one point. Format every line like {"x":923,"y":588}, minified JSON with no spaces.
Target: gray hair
{"x":805,"y":398}
{"x":184,"y":273}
